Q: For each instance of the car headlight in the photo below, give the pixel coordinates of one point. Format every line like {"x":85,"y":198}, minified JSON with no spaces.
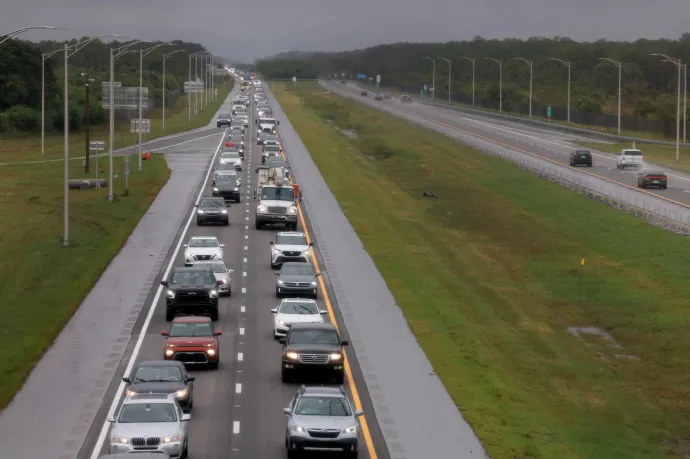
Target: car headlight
{"x":116,"y":439}
{"x":281,"y":283}
{"x":280,"y":322}
{"x":187,"y":255}
{"x":182,"y":393}
{"x":351,"y":429}
{"x":213,"y":293}
{"x":261,"y":209}
{"x":313,"y":283}
{"x":211,"y":352}
{"x":296,"y":428}
{"x":292,"y":210}
{"x":200,"y":212}
{"x":237,"y":189}
{"x":335,"y":356}
{"x":215,"y":189}
{"x":218,"y":255}
{"x":169,"y":352}
{"x":223,"y":211}
{"x":292,"y":355}
{"x":170,"y":294}
{"x":306,"y":252}
{"x":130,"y":392}
{"x":171,"y":438}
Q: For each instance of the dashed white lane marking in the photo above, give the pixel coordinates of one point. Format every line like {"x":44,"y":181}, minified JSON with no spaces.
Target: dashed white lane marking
{"x":244,"y":260}
{"x":244,"y":273}
{"x":244,"y":289}
{"x":246,"y":247}
{"x":246,"y":227}
{"x":243,"y":308}
{"x":241,"y":331}
{"x":246,"y":236}
{"x":240,"y":356}
{"x":236,"y":427}
{"x":238,"y":388}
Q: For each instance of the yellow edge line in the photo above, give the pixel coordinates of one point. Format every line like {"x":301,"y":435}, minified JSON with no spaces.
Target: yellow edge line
{"x":331,"y":315}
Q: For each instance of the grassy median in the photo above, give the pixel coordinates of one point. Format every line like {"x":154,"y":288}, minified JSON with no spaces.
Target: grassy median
{"x":27,"y":146}
{"x":489,"y":277}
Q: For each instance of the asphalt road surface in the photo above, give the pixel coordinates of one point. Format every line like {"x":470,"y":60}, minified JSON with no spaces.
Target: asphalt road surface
{"x":550,"y":145}
{"x":238,"y":408}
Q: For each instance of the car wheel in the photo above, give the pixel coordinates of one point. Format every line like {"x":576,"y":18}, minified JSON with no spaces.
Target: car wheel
{"x":352,"y":454}
{"x":185,"y":451}
{"x":340,"y":378}
{"x":291,"y":453}
{"x":277,"y":293}
{"x":665,"y":187}
{"x":169,"y":315}
{"x":198,"y":222}
{"x":214,"y":315}
{"x":226,"y":223}
{"x":257,"y":224}
{"x":239,"y":200}
{"x":286,"y":377}
{"x":213,"y":365}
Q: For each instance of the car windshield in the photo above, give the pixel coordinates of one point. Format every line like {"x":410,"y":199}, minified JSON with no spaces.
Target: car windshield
{"x":223,"y":117}
{"x":274,"y":148}
{"x":295,"y":307}
{"x":198,"y":278}
{"x":236,"y":126}
{"x":291,"y":239}
{"x":191,"y":329}
{"x":136,"y":413}
{"x":222,"y":178}
{"x":582,"y":152}
{"x":223,"y":175}
{"x":632,"y":153}
{"x":297,"y":269}
{"x":204,"y":242}
{"x":157,"y":374}
{"x":230,"y":155}
{"x":323,"y":406}
{"x":267,"y":121}
{"x":269,"y":138}
{"x":329,"y":337}
{"x":278,"y":194}
{"x":211,"y":203}
{"x":228,"y":167}
{"x":658,"y":173}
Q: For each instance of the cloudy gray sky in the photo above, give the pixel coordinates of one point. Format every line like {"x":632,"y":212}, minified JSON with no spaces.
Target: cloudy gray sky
{"x":248,"y":29}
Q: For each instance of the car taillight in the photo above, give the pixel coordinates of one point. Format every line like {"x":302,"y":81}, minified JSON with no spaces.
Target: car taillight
{"x":624,"y":158}
{"x":221,"y":282}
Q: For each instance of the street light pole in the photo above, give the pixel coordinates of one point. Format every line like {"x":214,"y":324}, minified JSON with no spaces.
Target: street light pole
{"x":500,"y":82}
{"x":433,"y":78}
{"x":685,"y":102}
{"x":44,"y":57}
{"x":473,"y":66}
{"x":678,"y":64}
{"x":569,"y":65}
{"x":165,"y":56}
{"x":620,"y":85}
{"x":6,"y":36}
{"x":449,"y":79}
{"x":531,"y":73}
{"x":86,"y":119}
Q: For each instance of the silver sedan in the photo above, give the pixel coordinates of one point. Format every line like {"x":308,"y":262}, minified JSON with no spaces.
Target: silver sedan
{"x":222,"y":274}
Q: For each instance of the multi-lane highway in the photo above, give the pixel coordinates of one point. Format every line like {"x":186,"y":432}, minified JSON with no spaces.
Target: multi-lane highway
{"x":550,"y":145}
{"x":238,"y":408}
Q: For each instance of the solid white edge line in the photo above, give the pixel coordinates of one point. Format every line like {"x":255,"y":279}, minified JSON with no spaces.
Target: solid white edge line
{"x":152,"y":307}
{"x":187,"y":141}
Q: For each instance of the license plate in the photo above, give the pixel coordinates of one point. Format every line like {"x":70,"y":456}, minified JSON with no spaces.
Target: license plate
{"x":655,"y":181}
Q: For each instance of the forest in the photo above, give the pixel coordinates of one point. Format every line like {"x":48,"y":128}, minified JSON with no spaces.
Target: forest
{"x":649,"y":85}
{"x":20,"y":80}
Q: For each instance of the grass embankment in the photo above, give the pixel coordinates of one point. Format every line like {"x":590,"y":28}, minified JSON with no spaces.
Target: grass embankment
{"x":663,"y":155}
{"x":27,"y":147}
{"x":488,"y":276}
{"x":604,"y":129}
{"x":44,"y":284}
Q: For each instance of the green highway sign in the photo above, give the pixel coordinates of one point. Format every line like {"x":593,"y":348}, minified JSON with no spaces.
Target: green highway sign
{"x":548,"y":112}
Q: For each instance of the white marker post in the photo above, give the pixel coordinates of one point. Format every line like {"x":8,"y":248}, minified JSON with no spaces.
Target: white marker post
{"x":294,"y":80}
{"x":97,"y":146}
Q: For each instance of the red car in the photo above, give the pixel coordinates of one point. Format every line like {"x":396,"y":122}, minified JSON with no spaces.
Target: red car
{"x":192,"y":340}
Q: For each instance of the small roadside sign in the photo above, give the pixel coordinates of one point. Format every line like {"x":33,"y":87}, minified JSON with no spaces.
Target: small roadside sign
{"x":127,"y":170}
{"x":97,"y":145}
{"x":146,"y":123}
{"x":378,"y":78}
{"x":548,"y":112}
{"x":426,"y":87}
{"x":294,"y":79}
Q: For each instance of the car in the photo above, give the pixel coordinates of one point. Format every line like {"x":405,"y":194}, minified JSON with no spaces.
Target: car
{"x":272,"y":141}
{"x":343,"y":81}
{"x":405,"y":98}
{"x":149,"y":422}
{"x":140,"y":455}
{"x":290,"y":246}
{"x":236,"y":129}
{"x":228,"y":173}
{"x":202,"y":248}
{"x":222,"y":275}
{"x":322,"y":418}
{"x":266,"y":137}
{"x":238,"y":140}
{"x":364,"y":93}
{"x":652,"y":177}
{"x":191,"y":291}
{"x":212,"y":210}
{"x":167,"y":377}
{"x":227,"y":187}
{"x":231,"y":157}
{"x":296,"y":279}
{"x":223,"y":119}
{"x":192,"y":340}
{"x":270,"y":151}
{"x":580,"y":157}
{"x":629,"y":157}
{"x":294,"y":311}
{"x":387,"y":96}
{"x":219,"y":168}
{"x":243,"y":118}
{"x":313,"y":348}
{"x":378,"y":96}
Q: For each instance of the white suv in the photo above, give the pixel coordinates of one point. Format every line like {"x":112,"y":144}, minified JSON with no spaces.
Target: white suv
{"x":629,"y":157}
{"x":203,"y":248}
{"x":290,"y":246}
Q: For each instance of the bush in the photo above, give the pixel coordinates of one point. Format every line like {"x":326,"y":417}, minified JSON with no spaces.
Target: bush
{"x":23,"y":118}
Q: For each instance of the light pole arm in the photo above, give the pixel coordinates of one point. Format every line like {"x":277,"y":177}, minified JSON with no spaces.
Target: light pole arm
{"x":75,"y":48}
{"x":148,"y":51}
{"x":7,"y":36}
{"x":566,"y":63}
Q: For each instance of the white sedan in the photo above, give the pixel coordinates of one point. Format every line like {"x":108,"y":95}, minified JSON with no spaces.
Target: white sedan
{"x":232,"y":157}
{"x":202,"y":248}
{"x":293,"y":311}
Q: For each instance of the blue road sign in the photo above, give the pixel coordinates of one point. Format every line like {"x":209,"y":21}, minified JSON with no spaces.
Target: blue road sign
{"x":361,"y":76}
{"x":426,"y":87}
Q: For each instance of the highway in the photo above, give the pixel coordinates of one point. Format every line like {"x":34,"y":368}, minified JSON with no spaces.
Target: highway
{"x":553,"y":146}
{"x":238,"y":408}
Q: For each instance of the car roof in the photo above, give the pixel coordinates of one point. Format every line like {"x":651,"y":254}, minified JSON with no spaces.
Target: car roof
{"x":290,"y":233}
{"x":191,"y":320}
{"x":298,"y":300}
{"x":139,"y":455}
{"x":293,"y":263}
{"x":148,"y":398}
{"x":203,"y":237}
{"x":312,"y":326}
{"x":190,"y":269}
{"x":209,"y":262}
{"x":160,"y":363}
{"x":653,"y":172}
{"x":322,"y":390}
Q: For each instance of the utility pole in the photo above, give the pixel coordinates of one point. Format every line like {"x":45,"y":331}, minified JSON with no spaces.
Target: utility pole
{"x":433,"y":78}
{"x":449,"y":78}
{"x":473,"y":61}
{"x":620,"y":83}
{"x":530,"y":81}
{"x":569,"y":65}
{"x":86,"y":119}
{"x":500,"y":82}
{"x":678,"y":64}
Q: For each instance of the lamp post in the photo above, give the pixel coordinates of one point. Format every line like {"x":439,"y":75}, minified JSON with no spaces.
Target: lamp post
{"x":6,"y":36}
{"x":449,"y":64}
{"x":114,"y":55}
{"x":165,"y":56}
{"x":620,"y":83}
{"x":678,"y":64}
{"x":531,"y":73}
{"x":569,"y":65}
{"x":500,"y":82}
{"x":473,"y":67}
{"x":70,"y":50}
{"x":685,"y":102}
{"x":87,"y":80}
{"x":433,"y":78}
{"x":44,"y":57}
{"x":189,"y":93}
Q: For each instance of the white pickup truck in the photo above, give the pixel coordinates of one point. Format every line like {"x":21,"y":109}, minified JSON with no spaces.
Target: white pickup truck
{"x":629,"y":157}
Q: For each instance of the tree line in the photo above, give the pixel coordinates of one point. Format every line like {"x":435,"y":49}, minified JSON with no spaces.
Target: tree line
{"x":20,"y":80}
{"x":648,"y":85}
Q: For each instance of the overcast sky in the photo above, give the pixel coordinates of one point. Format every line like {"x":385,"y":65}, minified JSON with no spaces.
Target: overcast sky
{"x":248,"y":29}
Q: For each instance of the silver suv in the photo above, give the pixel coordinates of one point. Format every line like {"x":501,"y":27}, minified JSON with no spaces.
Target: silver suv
{"x":321,"y":418}
{"x":149,"y":422}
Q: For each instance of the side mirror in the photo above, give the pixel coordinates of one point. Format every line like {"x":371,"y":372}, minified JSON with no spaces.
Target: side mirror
{"x":186,"y":417}
{"x":127,"y":380}
{"x":287,"y":410}
{"x":185,"y":246}
{"x":196,"y":205}
{"x":277,"y":273}
{"x":218,"y":333}
{"x":323,"y":312}
{"x":277,"y":123}
{"x":110,"y":419}
{"x":359,"y":413}
{"x":274,"y":311}
{"x":190,"y":378}
{"x":256,"y":121}
{"x":317,"y":274}
{"x":272,"y":242}
{"x":222,"y":245}
{"x":281,"y":340}
{"x":219,"y":283}
{"x":165,"y":333}
{"x":164,"y":283}
{"x":311,"y":244}
{"x":344,"y":343}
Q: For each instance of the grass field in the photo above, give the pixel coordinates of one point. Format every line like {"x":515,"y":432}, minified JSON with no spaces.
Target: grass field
{"x":658,"y":154}
{"x":27,"y":147}
{"x":489,"y":277}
